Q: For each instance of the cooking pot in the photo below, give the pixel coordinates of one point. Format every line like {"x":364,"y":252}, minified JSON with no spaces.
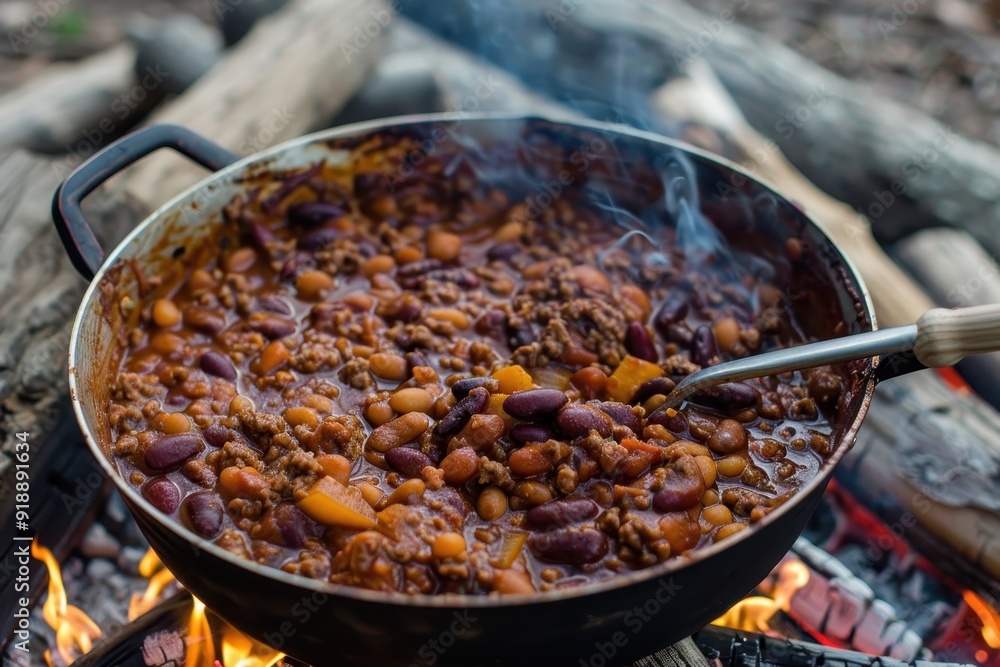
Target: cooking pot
{"x":611,"y":622}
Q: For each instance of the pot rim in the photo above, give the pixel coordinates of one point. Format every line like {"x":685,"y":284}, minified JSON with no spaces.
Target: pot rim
{"x":452,"y":600}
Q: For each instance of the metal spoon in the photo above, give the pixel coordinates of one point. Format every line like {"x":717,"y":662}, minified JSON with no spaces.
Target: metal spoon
{"x":940,"y":337}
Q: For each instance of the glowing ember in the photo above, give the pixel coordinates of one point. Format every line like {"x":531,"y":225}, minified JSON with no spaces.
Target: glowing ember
{"x":73,"y":627}
{"x":988,"y":615}
{"x":753,"y":614}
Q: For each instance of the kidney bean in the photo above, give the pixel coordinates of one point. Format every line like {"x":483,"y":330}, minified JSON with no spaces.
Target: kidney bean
{"x":406,"y":461}
{"x":504,"y":250}
{"x":273,"y":327}
{"x":419,"y":268}
{"x":492,"y":323}
{"x":457,"y":417}
{"x":173,"y":450}
{"x":273,"y":303}
{"x":729,"y":437}
{"x":621,"y":413}
{"x":259,"y":234}
{"x":203,"y":513}
{"x":639,"y":343}
{"x":683,"y":487}
{"x":292,"y":524}
{"x":462,"y":388}
{"x":577,"y":421}
{"x":673,"y":420}
{"x":407,"y":309}
{"x":218,"y":364}
{"x":533,"y":403}
{"x":369,"y":184}
{"x":460,"y":465}
{"x":520,"y":334}
{"x":218,"y":435}
{"x":461,"y":277}
{"x":680,"y":333}
{"x":570,"y":546}
{"x":316,"y":239}
{"x":743,"y":501}
{"x":162,"y":493}
{"x":562,"y":513}
{"x":401,"y":430}
{"x":415,"y":359}
{"x":522,"y":433}
{"x":651,"y":388}
{"x":703,"y":345}
{"x":203,"y":320}
{"x":673,"y":310}
{"x":310,"y":214}
{"x":730,"y":395}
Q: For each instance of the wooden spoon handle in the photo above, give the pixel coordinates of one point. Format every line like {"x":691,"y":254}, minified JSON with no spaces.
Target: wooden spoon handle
{"x":944,"y":336}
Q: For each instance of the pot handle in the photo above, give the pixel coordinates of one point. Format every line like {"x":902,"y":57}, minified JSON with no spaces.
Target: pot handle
{"x":78,"y":238}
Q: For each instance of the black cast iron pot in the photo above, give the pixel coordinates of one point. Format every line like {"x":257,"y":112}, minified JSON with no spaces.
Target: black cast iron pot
{"x":602,"y":624}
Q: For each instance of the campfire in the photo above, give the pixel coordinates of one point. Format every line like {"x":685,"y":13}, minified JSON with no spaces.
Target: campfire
{"x":900,"y":561}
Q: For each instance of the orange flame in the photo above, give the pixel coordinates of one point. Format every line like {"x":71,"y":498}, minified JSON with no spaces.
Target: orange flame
{"x":989,"y":617}
{"x":73,"y":627}
{"x":200,"y":649}
{"x":238,"y":650}
{"x":752,"y":614}
{"x":159,"y":578}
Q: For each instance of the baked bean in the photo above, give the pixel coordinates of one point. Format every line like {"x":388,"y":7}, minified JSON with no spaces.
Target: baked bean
{"x":401,"y":430}
{"x":529,"y":461}
{"x":460,"y":465}
{"x":408,"y":254}
{"x":511,"y":231}
{"x":172,"y":422}
{"x":448,"y":545}
{"x":591,"y":280}
{"x":240,"y":260}
{"x":717,"y":514}
{"x":311,"y":285}
{"x":301,"y":416}
{"x":637,"y":297}
{"x":727,"y":333}
{"x":451,"y":315}
{"x":320,"y":404}
{"x":729,"y":530}
{"x":411,"y":399}
{"x":492,"y":503}
{"x":166,"y":313}
{"x":245,"y":482}
{"x":533,"y":493}
{"x":388,"y":366}
{"x":204,"y":320}
{"x":732,"y":465}
{"x":272,"y":357}
{"x":444,"y":246}
{"x":708,"y":469}
{"x":336,"y":466}
{"x":590,"y":382}
{"x":729,"y":436}
{"x":409,"y":492}
{"x":377,"y":265}
{"x":512,"y":582}
{"x":378,"y":413}
{"x":372,"y":495}
{"x":165,"y":342}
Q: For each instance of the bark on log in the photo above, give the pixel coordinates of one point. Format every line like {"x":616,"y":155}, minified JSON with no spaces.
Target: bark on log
{"x":288,"y":76}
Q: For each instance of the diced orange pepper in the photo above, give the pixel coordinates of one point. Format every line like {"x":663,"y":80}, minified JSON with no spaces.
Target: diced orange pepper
{"x":496,"y":408}
{"x":512,"y":378}
{"x":631,"y":374}
{"x":511,"y":548}
{"x":633,"y":445}
{"x":331,"y":503}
